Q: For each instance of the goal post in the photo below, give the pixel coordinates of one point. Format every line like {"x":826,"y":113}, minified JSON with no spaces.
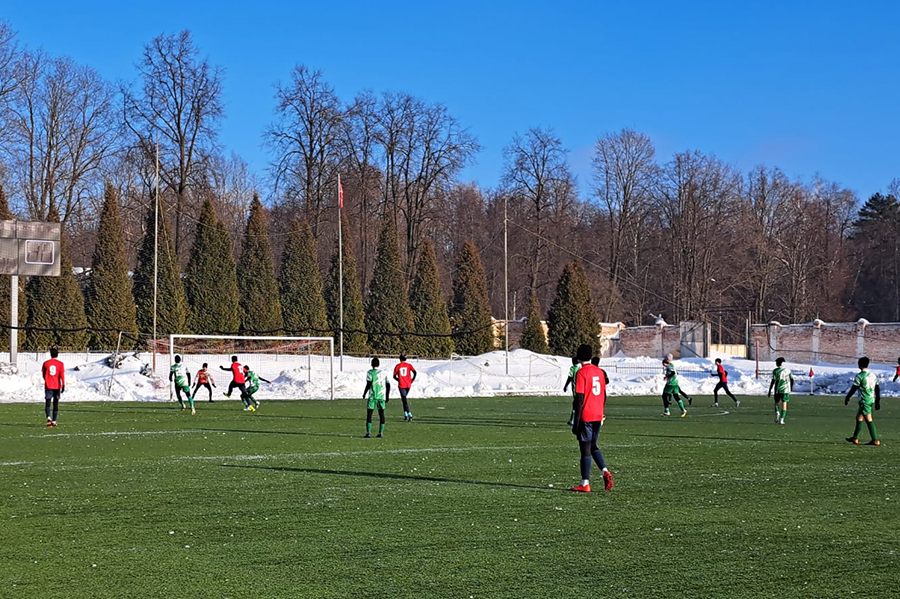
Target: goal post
{"x":298,"y":367}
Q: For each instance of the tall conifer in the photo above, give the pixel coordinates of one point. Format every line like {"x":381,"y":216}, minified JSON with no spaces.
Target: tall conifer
{"x":471,"y":313}
{"x":109,"y":303}
{"x":571,"y":319}
{"x":429,"y":308}
{"x":533,"y":338}
{"x":387,"y":305}
{"x":210,"y":283}
{"x":300,"y":284}
{"x":260,"y":306}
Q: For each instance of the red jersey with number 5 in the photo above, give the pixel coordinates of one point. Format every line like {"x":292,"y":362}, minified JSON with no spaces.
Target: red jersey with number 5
{"x":54,"y":374}
{"x":238,"y":373}
{"x":591,"y":381}
{"x":404,"y":371}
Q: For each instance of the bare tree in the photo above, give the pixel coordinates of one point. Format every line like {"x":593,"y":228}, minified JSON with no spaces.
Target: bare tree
{"x":232,"y":186}
{"x":178,"y":106}
{"x":304,"y":140}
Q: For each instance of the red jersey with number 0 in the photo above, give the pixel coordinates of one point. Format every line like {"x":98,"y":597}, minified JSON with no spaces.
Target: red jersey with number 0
{"x":591,"y":381}
{"x":238,"y":373}
{"x":404,"y":371}
{"x":723,"y":376}
{"x":54,"y":374}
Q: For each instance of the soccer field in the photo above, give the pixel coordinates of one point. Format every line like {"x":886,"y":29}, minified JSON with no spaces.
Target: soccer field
{"x":469,"y":500}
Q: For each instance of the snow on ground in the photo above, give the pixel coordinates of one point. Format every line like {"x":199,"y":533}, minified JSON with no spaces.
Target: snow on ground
{"x":89,"y":378}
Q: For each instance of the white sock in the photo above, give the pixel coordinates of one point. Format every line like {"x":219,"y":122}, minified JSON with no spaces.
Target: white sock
{"x":585,"y":482}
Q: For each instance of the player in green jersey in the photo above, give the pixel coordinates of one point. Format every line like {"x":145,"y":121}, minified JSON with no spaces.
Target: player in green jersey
{"x":783,"y":383}
{"x":378,"y":389}
{"x":253,"y":379}
{"x":182,"y":378}
{"x":671,"y":391}
{"x":573,"y":370}
{"x":866,"y":385}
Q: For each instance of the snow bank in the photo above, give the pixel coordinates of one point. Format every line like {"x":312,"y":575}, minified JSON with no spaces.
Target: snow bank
{"x":89,"y":378}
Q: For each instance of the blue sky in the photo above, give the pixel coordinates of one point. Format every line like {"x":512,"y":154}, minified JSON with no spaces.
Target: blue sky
{"x":809,"y":87}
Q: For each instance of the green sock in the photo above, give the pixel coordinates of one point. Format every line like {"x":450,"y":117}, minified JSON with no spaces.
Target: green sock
{"x":368,"y":428}
{"x":858,"y":429}
{"x":872,"y":432}
{"x":681,"y":405}
{"x":191,"y":401}
{"x":381,"y":429}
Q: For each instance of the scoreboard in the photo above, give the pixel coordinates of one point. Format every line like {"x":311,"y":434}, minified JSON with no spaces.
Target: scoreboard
{"x":29,"y":249}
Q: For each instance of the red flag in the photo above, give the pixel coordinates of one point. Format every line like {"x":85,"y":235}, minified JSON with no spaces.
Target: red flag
{"x":341,"y":193}
{"x":810,"y":372}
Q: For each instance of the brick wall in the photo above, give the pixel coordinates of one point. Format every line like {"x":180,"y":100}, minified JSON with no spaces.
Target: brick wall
{"x":652,"y":341}
{"x":827,"y":342}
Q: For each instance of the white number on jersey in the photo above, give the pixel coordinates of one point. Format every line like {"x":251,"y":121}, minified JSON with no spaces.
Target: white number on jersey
{"x":595,"y":386}
{"x":52,"y":370}
{"x":403,"y":371}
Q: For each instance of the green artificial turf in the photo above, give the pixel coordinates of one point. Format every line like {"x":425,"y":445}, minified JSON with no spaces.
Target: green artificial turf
{"x":142,"y":500}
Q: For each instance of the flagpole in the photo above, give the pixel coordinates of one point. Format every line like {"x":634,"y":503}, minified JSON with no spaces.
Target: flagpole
{"x":155,"y":252}
{"x":341,"y":265}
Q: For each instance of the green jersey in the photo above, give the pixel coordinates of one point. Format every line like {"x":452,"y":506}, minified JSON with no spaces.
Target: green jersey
{"x":865,"y":382}
{"x":180,"y":374}
{"x":782,"y":378}
{"x":671,"y":379}
{"x":251,"y":376}
{"x":379,"y":381}
{"x":572,"y":372}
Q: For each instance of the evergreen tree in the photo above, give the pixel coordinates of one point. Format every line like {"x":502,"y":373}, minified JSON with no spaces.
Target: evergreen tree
{"x":300,"y":284}
{"x":571,"y":319}
{"x":471,"y":313}
{"x":56,"y":303}
{"x":877,"y":243}
{"x":211,"y":284}
{"x":533,"y":334}
{"x":260,"y":307}
{"x":387,"y":305}
{"x":354,"y":314}
{"x":109,"y":304}
{"x":171,"y":305}
{"x":5,"y":290}
{"x":429,"y":308}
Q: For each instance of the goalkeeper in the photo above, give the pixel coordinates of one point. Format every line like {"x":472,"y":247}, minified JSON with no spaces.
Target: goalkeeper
{"x":866,"y":385}
{"x":247,"y":396}
{"x":182,"y":378}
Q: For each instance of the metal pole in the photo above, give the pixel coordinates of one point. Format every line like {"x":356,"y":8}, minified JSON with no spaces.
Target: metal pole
{"x":155,"y":253}
{"x":341,"y":268}
{"x":14,"y":321}
{"x":506,"y":282}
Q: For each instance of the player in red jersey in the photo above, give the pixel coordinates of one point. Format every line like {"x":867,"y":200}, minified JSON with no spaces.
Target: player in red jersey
{"x":238,"y":381}
{"x":897,"y":375}
{"x":404,"y":374}
{"x":54,"y":374}
{"x":722,"y":384}
{"x":590,"y":401}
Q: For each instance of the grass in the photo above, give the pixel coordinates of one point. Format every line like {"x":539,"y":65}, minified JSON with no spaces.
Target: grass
{"x":142,"y":500}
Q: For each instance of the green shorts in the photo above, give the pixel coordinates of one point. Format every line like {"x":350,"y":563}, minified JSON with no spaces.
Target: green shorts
{"x":375,"y":404}
{"x":183,"y":387}
{"x":782,"y":397}
{"x":252,"y":390}
{"x":865,"y":408}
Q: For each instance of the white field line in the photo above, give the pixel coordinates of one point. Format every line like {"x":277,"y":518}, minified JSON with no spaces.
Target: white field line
{"x":16,"y":463}
{"x":340,"y":454}
{"x":111,"y":434}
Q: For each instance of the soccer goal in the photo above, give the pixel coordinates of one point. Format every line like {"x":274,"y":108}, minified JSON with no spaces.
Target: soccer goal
{"x":298,"y":367}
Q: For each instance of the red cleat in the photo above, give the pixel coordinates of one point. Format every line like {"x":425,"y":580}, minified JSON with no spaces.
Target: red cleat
{"x":582,"y":489}
{"x":607,"y":480}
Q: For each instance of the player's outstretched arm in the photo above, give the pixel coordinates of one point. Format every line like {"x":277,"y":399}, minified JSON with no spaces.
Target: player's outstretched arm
{"x":225,"y":369}
{"x":264,"y":380}
{"x":850,"y":393}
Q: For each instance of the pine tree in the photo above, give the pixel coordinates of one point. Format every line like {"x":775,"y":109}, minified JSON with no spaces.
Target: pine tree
{"x":300,"y":284}
{"x":56,"y":303}
{"x":354,"y":314}
{"x":260,"y":307}
{"x":109,"y":304}
{"x":571,"y":319}
{"x":211,"y":284}
{"x":171,"y":305}
{"x":429,"y":308}
{"x":533,"y":338}
{"x":5,"y":290}
{"x":387,"y":305}
{"x":471,"y":313}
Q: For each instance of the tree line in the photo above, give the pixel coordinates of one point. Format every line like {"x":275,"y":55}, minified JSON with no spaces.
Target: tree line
{"x":688,"y":237}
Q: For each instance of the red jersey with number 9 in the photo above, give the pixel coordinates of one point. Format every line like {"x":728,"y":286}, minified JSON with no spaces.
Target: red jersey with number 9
{"x":591,"y":381}
{"x":54,"y":374}
{"x":403,"y":371}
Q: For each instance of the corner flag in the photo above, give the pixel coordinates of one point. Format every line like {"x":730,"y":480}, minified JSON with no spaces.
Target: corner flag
{"x":340,"y":193}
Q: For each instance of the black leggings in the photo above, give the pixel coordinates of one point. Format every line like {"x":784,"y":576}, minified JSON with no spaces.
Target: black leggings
{"x":51,"y":397}
{"x":232,"y":386}
{"x":380,"y":415}
{"x":723,"y":387}
{"x":403,"y":392}
{"x":208,"y":387}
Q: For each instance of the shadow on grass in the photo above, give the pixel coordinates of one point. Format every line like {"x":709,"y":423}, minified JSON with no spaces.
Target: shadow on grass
{"x":791,"y":441}
{"x":383,"y":475}
{"x":266,"y":432}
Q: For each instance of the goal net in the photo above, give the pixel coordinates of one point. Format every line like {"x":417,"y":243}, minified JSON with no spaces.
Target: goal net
{"x":298,"y":367}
